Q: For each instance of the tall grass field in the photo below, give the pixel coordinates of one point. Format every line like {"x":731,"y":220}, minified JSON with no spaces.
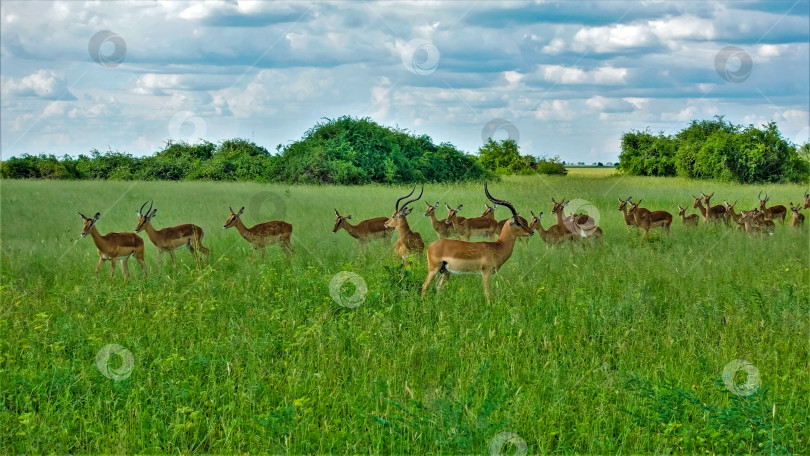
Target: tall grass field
{"x":696,"y":342}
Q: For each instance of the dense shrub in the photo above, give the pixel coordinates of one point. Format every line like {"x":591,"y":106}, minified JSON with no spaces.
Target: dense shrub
{"x":503,"y":157}
{"x":716,"y":149}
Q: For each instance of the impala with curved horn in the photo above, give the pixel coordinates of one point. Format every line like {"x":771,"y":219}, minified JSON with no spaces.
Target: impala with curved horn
{"x":448,"y":256}
{"x":409,"y":242}
{"x":263,"y":234}
{"x":773,"y":212}
{"x":171,"y":238}
{"x":114,"y":246}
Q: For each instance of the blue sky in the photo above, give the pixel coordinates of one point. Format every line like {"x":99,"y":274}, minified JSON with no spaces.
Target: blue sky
{"x":567,"y":78}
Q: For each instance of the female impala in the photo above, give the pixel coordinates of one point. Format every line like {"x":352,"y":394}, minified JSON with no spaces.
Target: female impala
{"x":649,"y":220}
{"x":796,"y":219}
{"x":442,"y":229}
{"x":114,"y":246}
{"x":409,"y":242}
{"x":711,"y":213}
{"x":806,"y":200}
{"x":551,"y":236}
{"x":171,"y":238}
{"x":447,"y":256}
{"x":689,"y":221}
{"x":485,"y":225}
{"x":629,"y":220}
{"x":264,"y":234}
{"x":365,"y":231}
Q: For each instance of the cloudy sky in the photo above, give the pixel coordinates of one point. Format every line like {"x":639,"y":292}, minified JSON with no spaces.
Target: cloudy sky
{"x":567,"y":78}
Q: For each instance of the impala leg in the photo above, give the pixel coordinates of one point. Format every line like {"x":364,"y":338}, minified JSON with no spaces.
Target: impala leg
{"x":204,"y":250}
{"x":486,"y":278}
{"x":254,"y":253}
{"x":126,"y":268}
{"x":264,"y":249}
{"x":98,"y":266}
{"x":140,"y":260}
{"x":288,"y":248}
{"x":112,"y":267}
{"x":445,"y":274}
{"x":174,"y":260}
{"x":157,"y":260}
{"x":433,"y":269}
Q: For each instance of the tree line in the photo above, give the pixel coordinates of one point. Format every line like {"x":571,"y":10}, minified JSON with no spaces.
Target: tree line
{"x":716,"y":149}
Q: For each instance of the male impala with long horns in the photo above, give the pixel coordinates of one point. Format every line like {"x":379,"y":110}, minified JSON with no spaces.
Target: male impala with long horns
{"x":448,"y":256}
{"x":409,"y":242}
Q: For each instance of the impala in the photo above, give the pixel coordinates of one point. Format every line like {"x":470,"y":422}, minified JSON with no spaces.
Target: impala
{"x":773,"y":212}
{"x":712,"y":213}
{"x":749,"y":220}
{"x":448,"y":256}
{"x":648,"y":220}
{"x":690,"y":220}
{"x":409,"y":242}
{"x":796,"y":219}
{"x":629,"y":220}
{"x":485,"y":225}
{"x":760,"y":219}
{"x":806,"y":200}
{"x":171,"y":238}
{"x":263,"y":234}
{"x":587,"y":229}
{"x":573,"y":222}
{"x":442,"y":229}
{"x":365,"y":231}
{"x":551,"y":236}
{"x":114,"y":246}
{"x":731,"y":214}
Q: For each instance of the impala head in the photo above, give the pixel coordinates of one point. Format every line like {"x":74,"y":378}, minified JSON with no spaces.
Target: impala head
{"x":339,"y":219}
{"x":518,"y":228}
{"x":534,"y":220}
{"x":763,"y":201}
{"x":144,"y":217}
{"x":88,"y":223}
{"x":706,"y":198}
{"x":623,"y":204}
{"x":452,"y":213}
{"x":233,"y":217}
{"x":403,"y":212}
{"x":729,"y":207}
{"x":633,"y":206}
{"x":558,"y":206}
{"x":488,"y":209}
{"x":681,"y":211}
{"x":431,"y":209}
{"x":696,"y":203}
{"x":795,"y":209}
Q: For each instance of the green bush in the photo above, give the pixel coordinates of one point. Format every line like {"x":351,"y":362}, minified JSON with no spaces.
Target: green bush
{"x":503,"y":157}
{"x":715,"y":149}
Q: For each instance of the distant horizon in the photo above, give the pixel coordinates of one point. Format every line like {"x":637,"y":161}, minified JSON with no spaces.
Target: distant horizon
{"x":564,"y":79}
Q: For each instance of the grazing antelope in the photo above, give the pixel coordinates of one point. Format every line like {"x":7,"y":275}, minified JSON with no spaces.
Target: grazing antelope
{"x":114,"y":246}
{"x":796,"y":219}
{"x":448,"y":256}
{"x":689,"y":221}
{"x":806,"y":200}
{"x":713,"y":213}
{"x":485,"y":225}
{"x":263,"y":234}
{"x":443,"y":229}
{"x":365,"y":231}
{"x":551,"y":236}
{"x":629,"y":220}
{"x":649,"y":220}
{"x":585,"y":227}
{"x":171,"y":238}
{"x":773,"y":212}
{"x":409,"y":242}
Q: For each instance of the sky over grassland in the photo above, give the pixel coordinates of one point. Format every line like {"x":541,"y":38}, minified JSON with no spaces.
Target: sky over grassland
{"x":566,"y":78}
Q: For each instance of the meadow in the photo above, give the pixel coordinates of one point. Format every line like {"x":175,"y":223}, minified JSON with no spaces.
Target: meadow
{"x":614,"y":349}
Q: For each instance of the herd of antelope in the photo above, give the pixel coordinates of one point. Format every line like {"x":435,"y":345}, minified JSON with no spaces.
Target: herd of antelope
{"x":453,"y":252}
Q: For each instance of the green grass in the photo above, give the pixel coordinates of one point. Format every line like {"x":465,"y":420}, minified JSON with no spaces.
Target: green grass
{"x":618,"y":349}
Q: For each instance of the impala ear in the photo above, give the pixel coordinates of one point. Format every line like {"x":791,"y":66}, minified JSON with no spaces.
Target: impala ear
{"x":348,"y":217}
{"x":448,"y":207}
{"x":620,"y":200}
{"x":406,"y":211}
{"x":459,"y":207}
{"x":427,"y":204}
{"x":85,"y":218}
{"x":436,"y":205}
{"x":241,"y":210}
{"x":154,"y":211}
{"x":97,"y":216}
{"x":336,"y":213}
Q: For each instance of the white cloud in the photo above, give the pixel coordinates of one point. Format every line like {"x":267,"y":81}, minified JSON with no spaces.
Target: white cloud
{"x":554,"y":110}
{"x":609,"y":105}
{"x":45,"y":84}
{"x":569,"y":75}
